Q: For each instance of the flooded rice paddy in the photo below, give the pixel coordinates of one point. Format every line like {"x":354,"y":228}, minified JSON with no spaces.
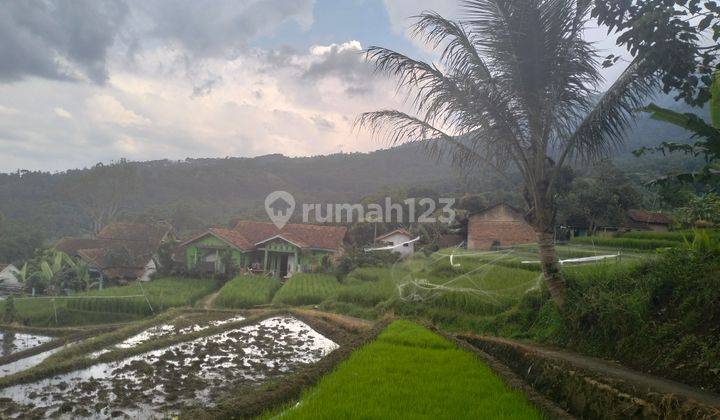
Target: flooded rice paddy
{"x":13,"y":342}
{"x":165,"y":330}
{"x":159,"y":382}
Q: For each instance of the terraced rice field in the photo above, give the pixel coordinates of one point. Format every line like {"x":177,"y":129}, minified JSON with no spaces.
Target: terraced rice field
{"x":306,"y":289}
{"x":247,"y":291}
{"x":159,"y":382}
{"x":410,"y":372}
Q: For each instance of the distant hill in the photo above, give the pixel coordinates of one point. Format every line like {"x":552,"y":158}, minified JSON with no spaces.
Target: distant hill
{"x":199,"y":192}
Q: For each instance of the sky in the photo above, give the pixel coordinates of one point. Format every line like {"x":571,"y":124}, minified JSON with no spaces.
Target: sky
{"x":88,"y":81}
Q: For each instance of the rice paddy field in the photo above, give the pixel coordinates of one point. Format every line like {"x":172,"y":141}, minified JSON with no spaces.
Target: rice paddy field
{"x":411,"y":372}
{"x":109,"y":305}
{"x":306,"y":289}
{"x":247,"y":291}
{"x":154,"y":369}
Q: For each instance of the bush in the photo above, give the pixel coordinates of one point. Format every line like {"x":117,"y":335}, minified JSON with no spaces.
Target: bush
{"x":247,"y":291}
{"x":306,"y":289}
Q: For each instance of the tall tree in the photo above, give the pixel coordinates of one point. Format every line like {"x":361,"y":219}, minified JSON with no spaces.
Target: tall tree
{"x":516,"y":85}
{"x":680,"y":38}
{"x":102,"y":192}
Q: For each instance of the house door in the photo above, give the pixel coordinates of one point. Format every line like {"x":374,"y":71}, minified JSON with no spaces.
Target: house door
{"x":290,"y":264}
{"x":283,"y":265}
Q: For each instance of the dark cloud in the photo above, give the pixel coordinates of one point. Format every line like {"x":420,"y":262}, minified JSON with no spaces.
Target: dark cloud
{"x":345,"y":62}
{"x":70,"y":39}
{"x":278,"y":58}
{"x":205,"y":87}
{"x":58,"y":39}
{"x":214,"y":28}
{"x":323,"y":123}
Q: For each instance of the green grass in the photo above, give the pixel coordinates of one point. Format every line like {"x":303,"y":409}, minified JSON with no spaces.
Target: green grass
{"x":625,"y":243}
{"x":410,"y":372}
{"x":678,"y":236}
{"x":41,"y":312}
{"x":306,"y":289}
{"x":162,"y":294}
{"x":247,"y":291}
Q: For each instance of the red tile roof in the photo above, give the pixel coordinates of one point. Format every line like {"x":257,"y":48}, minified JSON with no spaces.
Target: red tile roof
{"x":645,"y":216}
{"x":121,"y":248}
{"x":304,"y":235}
{"x":233,"y":237}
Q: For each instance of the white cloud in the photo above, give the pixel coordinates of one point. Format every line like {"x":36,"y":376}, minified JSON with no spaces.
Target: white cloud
{"x":107,"y":109}
{"x":60,"y":112}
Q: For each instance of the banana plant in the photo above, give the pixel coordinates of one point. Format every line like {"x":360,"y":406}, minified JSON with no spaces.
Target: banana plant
{"x":706,"y":135}
{"x":22,"y":274}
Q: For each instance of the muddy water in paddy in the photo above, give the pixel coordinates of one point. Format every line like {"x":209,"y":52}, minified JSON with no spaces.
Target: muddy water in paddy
{"x":13,"y":342}
{"x":157,"y":383}
{"x":165,"y":330}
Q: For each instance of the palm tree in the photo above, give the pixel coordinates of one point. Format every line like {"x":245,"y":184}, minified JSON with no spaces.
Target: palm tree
{"x":516,"y":85}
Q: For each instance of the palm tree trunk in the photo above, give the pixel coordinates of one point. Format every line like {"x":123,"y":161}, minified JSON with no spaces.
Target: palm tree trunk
{"x":550,"y":267}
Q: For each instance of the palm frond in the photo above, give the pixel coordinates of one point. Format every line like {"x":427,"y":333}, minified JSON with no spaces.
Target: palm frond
{"x":602,"y":130}
{"x":400,"y":127}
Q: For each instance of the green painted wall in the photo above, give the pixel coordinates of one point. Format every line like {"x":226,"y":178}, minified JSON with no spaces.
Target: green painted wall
{"x":195,"y":251}
{"x":304,"y":260}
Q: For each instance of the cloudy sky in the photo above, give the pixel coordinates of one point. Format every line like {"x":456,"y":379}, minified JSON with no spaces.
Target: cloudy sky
{"x":87,"y":81}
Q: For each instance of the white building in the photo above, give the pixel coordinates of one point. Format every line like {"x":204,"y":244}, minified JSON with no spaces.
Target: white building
{"x":7,"y":277}
{"x":401,"y":241}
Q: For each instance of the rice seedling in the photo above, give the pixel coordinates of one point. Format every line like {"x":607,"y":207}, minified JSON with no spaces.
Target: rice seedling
{"x":247,"y":291}
{"x":306,"y":289}
{"x":410,"y":372}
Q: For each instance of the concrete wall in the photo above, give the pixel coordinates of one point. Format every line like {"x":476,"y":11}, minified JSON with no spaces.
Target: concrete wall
{"x":398,"y":238}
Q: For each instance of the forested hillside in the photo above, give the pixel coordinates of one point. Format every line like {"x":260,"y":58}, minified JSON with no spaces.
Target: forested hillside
{"x":199,"y":192}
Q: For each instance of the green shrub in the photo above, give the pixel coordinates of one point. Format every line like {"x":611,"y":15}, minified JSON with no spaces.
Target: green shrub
{"x":306,"y":289}
{"x":247,"y":291}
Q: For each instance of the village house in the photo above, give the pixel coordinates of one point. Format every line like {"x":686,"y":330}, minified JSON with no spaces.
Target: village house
{"x":498,"y":226}
{"x":121,"y":250}
{"x":635,"y":220}
{"x":262,"y":247}
{"x":648,"y":220}
{"x":400,"y":240}
{"x":8,"y":278}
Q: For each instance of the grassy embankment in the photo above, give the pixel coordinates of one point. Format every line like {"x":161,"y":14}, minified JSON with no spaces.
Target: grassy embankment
{"x":410,"y":372}
{"x":660,"y":316}
{"x":105,"y":306}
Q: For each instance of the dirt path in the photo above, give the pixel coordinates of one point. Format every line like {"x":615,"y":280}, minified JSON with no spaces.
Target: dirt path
{"x":210,"y":300}
{"x":644,"y":381}
{"x":346,"y":320}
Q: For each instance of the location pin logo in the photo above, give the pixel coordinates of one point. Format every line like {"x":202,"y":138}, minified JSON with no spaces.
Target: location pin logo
{"x":279,"y":206}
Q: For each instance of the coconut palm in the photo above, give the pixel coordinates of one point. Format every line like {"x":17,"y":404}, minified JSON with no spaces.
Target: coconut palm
{"x":516,"y":85}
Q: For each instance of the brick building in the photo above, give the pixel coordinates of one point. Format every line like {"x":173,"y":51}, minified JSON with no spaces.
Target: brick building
{"x":498,"y":226}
